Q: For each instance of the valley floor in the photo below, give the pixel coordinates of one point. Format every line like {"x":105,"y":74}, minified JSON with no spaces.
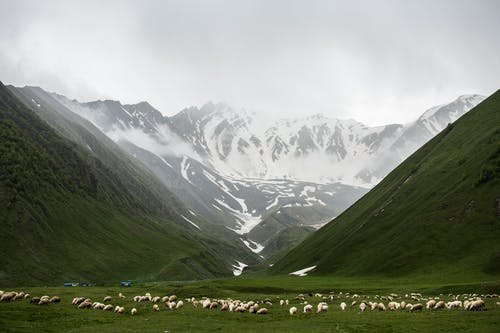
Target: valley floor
{"x":21,"y":316}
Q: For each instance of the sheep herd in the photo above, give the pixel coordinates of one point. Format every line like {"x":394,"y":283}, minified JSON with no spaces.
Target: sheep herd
{"x":410,"y":302}
{"x":308,"y":304}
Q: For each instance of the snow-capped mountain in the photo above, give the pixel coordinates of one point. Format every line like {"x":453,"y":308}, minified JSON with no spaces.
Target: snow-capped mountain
{"x":242,"y":174}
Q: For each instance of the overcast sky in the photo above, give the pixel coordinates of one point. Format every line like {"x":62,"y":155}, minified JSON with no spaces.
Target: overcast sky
{"x":374,"y":61}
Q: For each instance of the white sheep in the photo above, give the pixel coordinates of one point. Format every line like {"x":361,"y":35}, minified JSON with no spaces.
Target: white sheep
{"x":454,"y":304}
{"x":156,"y":307}
{"x":439,"y":305}
{"x":430,"y":304}
{"x":393,"y":306}
{"x":308,"y":308}
{"x":107,"y":299}
{"x":120,"y":295}
{"x":362,"y":306}
{"x":416,"y":307}
{"x":121,"y":310}
{"x":262,"y":311}
{"x":322,"y":307}
{"x":293,"y":310}
{"x":476,"y":305}
{"x":179,"y":305}
{"x":108,"y":307}
{"x":343,"y":306}
{"x":381,"y":307}
{"x":133,"y":312}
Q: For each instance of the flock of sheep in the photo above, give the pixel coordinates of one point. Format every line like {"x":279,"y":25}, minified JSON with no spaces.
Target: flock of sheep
{"x":470,"y":302}
{"x":410,"y":302}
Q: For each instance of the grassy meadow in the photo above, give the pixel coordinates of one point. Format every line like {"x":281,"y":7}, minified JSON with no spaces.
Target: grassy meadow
{"x":21,"y":316}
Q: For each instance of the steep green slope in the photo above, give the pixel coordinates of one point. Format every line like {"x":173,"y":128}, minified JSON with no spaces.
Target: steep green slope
{"x":64,"y":215}
{"x":437,"y":213}
{"x":139,"y":181}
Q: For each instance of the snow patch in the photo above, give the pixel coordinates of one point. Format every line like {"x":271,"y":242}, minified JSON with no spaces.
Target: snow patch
{"x":238,"y":269}
{"x":185,"y":218}
{"x":253,"y":246}
{"x":304,"y":271}
{"x":184,"y":169}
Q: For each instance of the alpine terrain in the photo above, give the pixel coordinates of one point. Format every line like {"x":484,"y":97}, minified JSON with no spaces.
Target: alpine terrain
{"x":436,"y":214}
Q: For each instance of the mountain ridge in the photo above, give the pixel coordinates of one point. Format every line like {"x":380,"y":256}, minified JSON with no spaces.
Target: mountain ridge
{"x":437,"y":213}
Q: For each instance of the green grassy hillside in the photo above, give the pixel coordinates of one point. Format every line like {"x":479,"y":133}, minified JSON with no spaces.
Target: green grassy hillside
{"x":438,"y":213}
{"x":66,"y":216}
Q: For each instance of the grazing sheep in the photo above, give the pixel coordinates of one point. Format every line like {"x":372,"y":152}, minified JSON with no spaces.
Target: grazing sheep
{"x":417,"y":307}
{"x":179,"y":305}
{"x":430,"y":304}
{"x":393,"y":306}
{"x":322,"y":307}
{"x":99,"y":306}
{"x":373,"y":306}
{"x":19,"y":296}
{"x":454,"y":305}
{"x":137,"y":298}
{"x":225,"y":307}
{"x":476,"y":305}
{"x":252,"y":309}
{"x":55,"y":299}
{"x":381,"y":307}
{"x":35,"y":300}
{"x":262,"y":311}
{"x":213,"y":305}
{"x":156,"y":299}
{"x":26,"y":296}
{"x":45,"y":301}
{"x":107,"y":299}
{"x":286,"y":302}
{"x":354,"y":303}
{"x":7,"y":296}
{"x":343,"y":306}
{"x":293,"y":310}
{"x":133,"y":312}
{"x":121,"y":310}
{"x":172,"y":298}
{"x":83,"y":305}
{"x":308,"y":308}
{"x":282,"y":302}
{"x":108,"y":307}
{"x":156,"y":307}
{"x":362,"y":306}
{"x":439,"y":305}
{"x":402,"y":305}
{"x":116,"y":308}
{"x":120,"y":295}
{"x":498,"y":303}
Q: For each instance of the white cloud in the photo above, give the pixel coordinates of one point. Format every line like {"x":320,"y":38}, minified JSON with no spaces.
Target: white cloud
{"x":375,"y":61}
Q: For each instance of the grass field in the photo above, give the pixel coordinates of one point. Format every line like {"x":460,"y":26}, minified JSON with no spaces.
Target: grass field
{"x":21,"y":316}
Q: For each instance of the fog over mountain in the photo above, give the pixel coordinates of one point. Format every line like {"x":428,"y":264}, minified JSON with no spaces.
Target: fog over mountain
{"x":261,"y":179}
{"x":378,"y":62}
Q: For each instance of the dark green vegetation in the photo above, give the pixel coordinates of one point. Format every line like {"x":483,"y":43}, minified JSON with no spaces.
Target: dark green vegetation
{"x":67,"y":215}
{"x":437,"y":215}
{"x":21,"y":316}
